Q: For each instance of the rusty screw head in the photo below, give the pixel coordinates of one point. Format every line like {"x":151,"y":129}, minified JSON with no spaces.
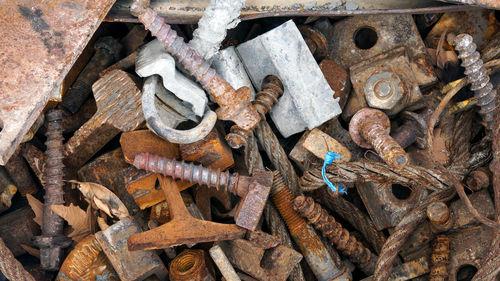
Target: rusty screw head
{"x":438,"y":213}
{"x":384,"y":90}
{"x":190,"y":265}
{"x":316,"y":42}
{"x":370,"y":128}
{"x":356,"y":125}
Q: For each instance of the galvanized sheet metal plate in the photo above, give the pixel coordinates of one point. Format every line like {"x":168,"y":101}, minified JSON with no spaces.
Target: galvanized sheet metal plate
{"x":39,"y":42}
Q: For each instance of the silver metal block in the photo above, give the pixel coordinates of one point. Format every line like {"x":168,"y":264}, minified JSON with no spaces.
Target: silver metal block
{"x":153,"y":59}
{"x":308,"y":100}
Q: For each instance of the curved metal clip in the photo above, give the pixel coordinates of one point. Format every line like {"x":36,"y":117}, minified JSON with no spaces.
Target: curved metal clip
{"x":156,"y":100}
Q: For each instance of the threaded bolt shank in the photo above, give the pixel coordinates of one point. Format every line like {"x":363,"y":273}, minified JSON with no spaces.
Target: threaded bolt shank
{"x":186,"y":171}
{"x":439,"y":259}
{"x":334,"y":231}
{"x":272,"y":89}
{"x":315,"y":253}
{"x":476,"y":73}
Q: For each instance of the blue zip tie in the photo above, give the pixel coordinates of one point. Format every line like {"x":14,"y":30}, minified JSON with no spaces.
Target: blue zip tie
{"x":329,"y":158}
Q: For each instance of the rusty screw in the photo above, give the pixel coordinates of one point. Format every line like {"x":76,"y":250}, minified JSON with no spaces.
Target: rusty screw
{"x":439,"y":259}
{"x":439,"y":215}
{"x":313,"y":250}
{"x":187,"y":171}
{"x":190,"y":265}
{"x":476,"y":73}
{"x":272,"y":89}
{"x":334,"y":231}
{"x":234,"y":104}
{"x":52,"y":242}
{"x":413,"y":129}
{"x":107,"y":51}
{"x":369,"y":128}
{"x":254,"y":191}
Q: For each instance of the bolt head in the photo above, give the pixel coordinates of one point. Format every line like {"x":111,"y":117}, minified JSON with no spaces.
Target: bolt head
{"x":384,"y":90}
{"x":361,"y":119}
{"x":438,"y":212}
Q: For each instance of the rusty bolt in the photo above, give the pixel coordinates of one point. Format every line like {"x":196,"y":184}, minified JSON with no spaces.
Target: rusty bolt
{"x":439,"y":215}
{"x":439,"y":259}
{"x":234,"y":104}
{"x":384,"y":90}
{"x":479,"y":179}
{"x":253,"y":193}
{"x":107,"y":51}
{"x":413,"y":128}
{"x":52,"y":241}
{"x":272,"y":89}
{"x":313,"y":250}
{"x":369,"y":128}
{"x":333,"y":230}
{"x":190,"y":265}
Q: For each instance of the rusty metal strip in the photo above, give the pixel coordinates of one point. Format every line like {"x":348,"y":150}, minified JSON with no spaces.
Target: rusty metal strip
{"x":491,"y":4}
{"x":40,"y":41}
{"x":190,"y":11}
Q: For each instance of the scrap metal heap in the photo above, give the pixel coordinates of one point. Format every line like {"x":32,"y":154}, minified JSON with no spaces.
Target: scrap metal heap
{"x":283,"y":148}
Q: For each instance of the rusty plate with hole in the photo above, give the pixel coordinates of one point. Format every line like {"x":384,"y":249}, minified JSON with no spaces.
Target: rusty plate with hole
{"x":39,"y":42}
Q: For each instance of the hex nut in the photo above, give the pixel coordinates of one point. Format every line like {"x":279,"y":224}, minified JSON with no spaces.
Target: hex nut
{"x":383,"y":90}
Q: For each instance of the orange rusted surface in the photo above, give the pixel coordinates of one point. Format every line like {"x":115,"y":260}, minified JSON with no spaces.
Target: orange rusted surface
{"x":40,"y":41}
{"x":211,"y":151}
{"x":182,"y":228}
{"x":87,"y":262}
{"x":139,"y":141}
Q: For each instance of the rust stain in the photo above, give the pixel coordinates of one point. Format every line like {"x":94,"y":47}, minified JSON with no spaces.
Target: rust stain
{"x":54,"y":33}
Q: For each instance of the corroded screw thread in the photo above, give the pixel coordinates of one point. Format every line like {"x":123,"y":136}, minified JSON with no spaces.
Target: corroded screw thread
{"x":186,"y":171}
{"x":10,"y":267}
{"x":187,"y":56}
{"x":272,"y":89}
{"x":283,"y":200}
{"x":476,"y":73}
{"x":439,"y":259}
{"x":54,"y":155}
{"x":339,"y":236}
{"x":313,"y":250}
{"x":386,"y":147}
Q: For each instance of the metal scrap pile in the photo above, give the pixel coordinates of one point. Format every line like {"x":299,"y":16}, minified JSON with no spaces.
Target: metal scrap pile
{"x":307,"y":146}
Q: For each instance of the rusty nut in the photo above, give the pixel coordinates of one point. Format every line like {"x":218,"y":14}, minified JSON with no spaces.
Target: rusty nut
{"x":190,"y":265}
{"x":384,"y":90}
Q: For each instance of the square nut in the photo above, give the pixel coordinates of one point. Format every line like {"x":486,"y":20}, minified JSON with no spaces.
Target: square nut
{"x":252,"y":205}
{"x":385,"y":82}
{"x":357,"y":39}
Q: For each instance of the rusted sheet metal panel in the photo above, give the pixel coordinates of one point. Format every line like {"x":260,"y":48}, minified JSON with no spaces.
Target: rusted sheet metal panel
{"x":190,"y":11}
{"x":40,"y":41}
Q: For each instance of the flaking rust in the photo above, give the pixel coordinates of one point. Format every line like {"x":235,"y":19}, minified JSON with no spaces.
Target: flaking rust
{"x":54,"y":33}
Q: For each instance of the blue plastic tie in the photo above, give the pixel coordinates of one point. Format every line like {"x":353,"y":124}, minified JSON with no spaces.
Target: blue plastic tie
{"x":329,"y":158}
